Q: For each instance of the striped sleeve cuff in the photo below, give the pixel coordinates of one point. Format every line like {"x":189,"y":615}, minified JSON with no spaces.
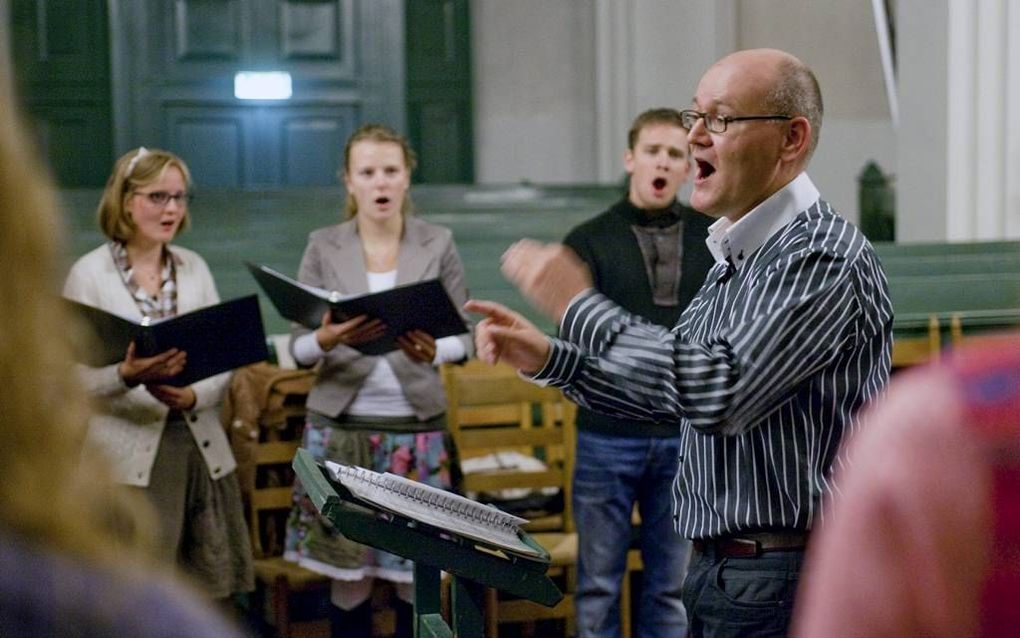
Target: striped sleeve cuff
{"x":561,"y":367}
{"x":591,"y":321}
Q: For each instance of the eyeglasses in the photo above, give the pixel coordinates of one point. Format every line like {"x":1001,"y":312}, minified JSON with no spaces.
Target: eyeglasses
{"x":718,"y":123}
{"x":162,"y":198}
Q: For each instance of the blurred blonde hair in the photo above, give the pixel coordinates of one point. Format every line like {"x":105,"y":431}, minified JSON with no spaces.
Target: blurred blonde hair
{"x":50,"y":495}
{"x":135,"y":170}
{"x":382,"y":134}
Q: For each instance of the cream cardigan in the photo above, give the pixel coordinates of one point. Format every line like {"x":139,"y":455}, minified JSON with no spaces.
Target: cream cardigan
{"x":128,"y":422}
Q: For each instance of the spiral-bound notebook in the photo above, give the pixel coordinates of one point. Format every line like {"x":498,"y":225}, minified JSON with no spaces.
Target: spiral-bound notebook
{"x":443,"y":510}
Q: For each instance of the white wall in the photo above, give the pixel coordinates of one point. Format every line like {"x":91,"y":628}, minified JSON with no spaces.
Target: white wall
{"x":533,"y":65}
{"x":959,"y":136}
{"x":650,"y":53}
{"x":557,"y":83}
{"x":982,"y":132}
{"x":838,"y":41}
{"x":922,"y":56}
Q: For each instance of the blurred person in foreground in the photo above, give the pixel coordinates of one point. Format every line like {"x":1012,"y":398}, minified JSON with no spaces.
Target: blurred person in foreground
{"x":789,"y":336}
{"x":75,"y":549}
{"x":924,"y":535}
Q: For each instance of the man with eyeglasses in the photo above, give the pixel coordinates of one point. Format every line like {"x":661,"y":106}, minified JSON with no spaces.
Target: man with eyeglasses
{"x":766,"y":369}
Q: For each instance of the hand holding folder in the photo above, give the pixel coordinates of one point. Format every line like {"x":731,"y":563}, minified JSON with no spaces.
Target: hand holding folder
{"x":215,"y":338}
{"x":424,"y":306}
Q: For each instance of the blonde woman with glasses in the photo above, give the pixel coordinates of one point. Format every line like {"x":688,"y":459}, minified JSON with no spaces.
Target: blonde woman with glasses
{"x":164,"y":440}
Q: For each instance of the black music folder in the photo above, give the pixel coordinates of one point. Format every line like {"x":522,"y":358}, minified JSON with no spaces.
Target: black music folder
{"x":216,"y":338}
{"x":424,"y":305}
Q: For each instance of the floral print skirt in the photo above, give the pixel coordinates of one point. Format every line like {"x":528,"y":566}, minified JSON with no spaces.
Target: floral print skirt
{"x":420,"y":456}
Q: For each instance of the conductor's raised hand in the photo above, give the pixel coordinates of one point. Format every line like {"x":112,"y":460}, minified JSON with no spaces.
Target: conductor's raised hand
{"x":352,"y":332}
{"x":505,"y":335}
{"x":173,"y":398}
{"x":165,"y":365}
{"x":548,"y":275}
{"x":419,"y":345}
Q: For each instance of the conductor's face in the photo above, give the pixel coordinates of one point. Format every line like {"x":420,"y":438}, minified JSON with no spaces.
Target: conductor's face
{"x":738,"y":168}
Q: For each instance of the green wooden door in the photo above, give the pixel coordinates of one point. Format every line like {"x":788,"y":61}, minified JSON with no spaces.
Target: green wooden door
{"x":61,"y":61}
{"x":177,"y":61}
{"x":439,"y":89}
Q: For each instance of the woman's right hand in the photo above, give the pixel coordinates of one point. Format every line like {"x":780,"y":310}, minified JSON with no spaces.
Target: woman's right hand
{"x":352,"y":332}
{"x":160,"y":367}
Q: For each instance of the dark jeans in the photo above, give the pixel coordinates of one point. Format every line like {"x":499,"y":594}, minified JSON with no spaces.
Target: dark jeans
{"x":612,"y":473}
{"x":741,"y":596}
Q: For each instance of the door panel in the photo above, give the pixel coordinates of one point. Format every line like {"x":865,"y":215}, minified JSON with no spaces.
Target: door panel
{"x":60,"y":54}
{"x":439,"y":89}
{"x":179,"y":59}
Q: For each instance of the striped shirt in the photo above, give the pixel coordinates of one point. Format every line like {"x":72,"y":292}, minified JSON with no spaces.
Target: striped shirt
{"x":789,"y":336}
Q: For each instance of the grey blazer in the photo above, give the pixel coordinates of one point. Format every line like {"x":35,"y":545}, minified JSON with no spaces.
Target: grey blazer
{"x":334,"y":260}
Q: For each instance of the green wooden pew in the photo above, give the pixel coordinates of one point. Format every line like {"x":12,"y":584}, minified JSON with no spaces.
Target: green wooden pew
{"x":952,"y":264}
{"x":982,"y":302}
{"x":977,"y":279}
{"x":971,"y":258}
{"x":890,"y":249}
{"x":271,"y":228}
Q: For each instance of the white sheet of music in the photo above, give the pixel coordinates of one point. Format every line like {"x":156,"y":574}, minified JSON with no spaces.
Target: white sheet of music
{"x":438,"y":508}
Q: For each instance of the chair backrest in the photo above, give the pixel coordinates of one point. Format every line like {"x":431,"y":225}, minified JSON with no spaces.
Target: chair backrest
{"x":265,"y":443}
{"x":491,"y":409}
{"x":911,"y":351}
{"x":271,"y":499}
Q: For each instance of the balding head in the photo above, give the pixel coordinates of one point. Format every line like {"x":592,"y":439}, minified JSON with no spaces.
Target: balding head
{"x":784,"y":84}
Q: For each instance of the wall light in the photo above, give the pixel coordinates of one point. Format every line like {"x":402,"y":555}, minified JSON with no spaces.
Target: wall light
{"x":262,"y":85}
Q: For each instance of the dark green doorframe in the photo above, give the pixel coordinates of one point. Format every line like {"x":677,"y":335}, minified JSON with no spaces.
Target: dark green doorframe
{"x":439,"y":95}
{"x":60,"y":54}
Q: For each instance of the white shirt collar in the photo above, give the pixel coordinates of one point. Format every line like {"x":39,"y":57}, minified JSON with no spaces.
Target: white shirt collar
{"x":736,"y":242}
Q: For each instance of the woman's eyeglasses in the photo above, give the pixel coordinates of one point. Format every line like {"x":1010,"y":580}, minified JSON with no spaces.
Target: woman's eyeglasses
{"x":162,"y":198}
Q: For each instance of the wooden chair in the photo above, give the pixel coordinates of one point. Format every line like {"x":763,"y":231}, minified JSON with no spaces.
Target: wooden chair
{"x":917,"y":350}
{"x":265,"y":449}
{"x":492,"y":409}
{"x":985,"y":331}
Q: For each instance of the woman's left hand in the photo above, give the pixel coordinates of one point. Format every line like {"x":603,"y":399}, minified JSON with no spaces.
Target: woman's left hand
{"x":418,"y":345}
{"x":173,"y":397}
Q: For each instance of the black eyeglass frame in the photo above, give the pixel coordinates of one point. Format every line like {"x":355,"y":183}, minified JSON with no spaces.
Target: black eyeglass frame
{"x":725,"y":119}
{"x":162,"y":198}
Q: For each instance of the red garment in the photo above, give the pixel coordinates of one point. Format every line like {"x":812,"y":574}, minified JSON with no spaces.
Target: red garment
{"x":924,"y":538}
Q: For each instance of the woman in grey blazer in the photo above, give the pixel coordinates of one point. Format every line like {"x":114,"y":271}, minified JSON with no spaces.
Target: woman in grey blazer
{"x":165,"y":440}
{"x":385,"y":413}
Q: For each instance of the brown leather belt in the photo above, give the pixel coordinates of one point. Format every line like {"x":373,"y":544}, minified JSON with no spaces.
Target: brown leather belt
{"x":752,"y":544}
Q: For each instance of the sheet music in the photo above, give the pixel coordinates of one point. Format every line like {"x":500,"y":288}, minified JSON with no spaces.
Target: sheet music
{"x":438,"y":508}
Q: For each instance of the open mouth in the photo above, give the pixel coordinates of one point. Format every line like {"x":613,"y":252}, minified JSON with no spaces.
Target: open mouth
{"x":382,"y":201}
{"x":659,"y":183}
{"x":705,"y":169}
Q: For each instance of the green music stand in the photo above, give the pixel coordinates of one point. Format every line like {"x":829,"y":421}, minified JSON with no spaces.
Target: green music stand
{"x":471,"y":566}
